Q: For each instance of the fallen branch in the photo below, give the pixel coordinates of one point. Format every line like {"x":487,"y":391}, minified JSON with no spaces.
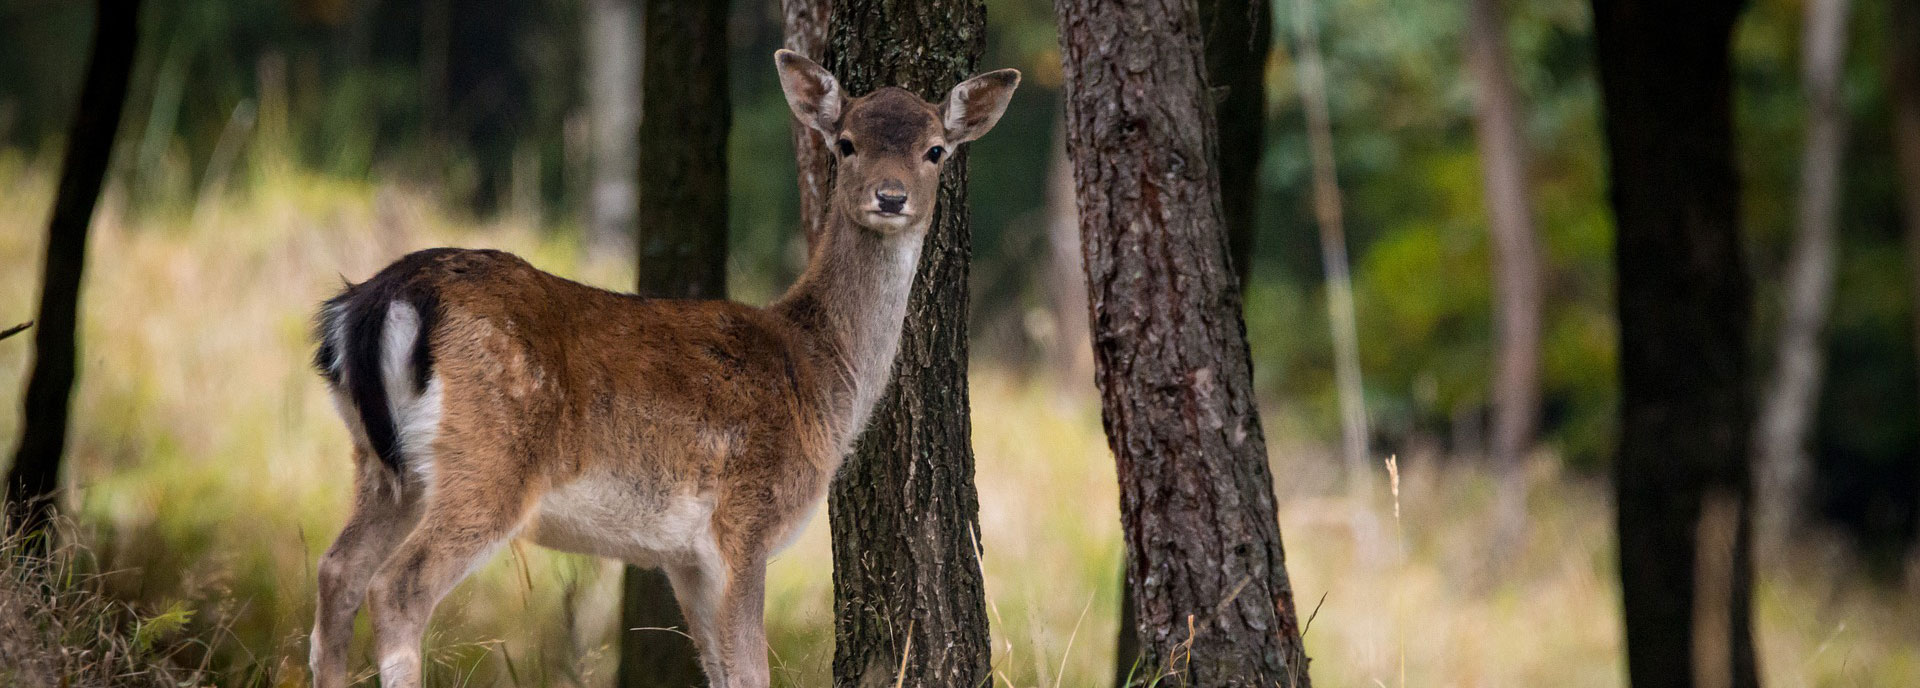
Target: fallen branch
{"x":16,"y":329}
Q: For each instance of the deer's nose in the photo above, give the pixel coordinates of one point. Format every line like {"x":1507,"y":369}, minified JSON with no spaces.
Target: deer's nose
{"x":891,"y":197}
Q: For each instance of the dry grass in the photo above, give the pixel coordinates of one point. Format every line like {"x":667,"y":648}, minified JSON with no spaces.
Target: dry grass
{"x":208,"y":470}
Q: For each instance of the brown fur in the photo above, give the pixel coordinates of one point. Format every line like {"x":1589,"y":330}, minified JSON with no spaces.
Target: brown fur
{"x":692,"y":435}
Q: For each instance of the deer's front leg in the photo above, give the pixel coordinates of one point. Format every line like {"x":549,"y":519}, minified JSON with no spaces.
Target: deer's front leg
{"x":466,"y":521}
{"x":743,"y":627}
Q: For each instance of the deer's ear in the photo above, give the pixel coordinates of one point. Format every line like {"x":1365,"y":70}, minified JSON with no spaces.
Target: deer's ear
{"x":975,"y":105}
{"x":811,"y":91}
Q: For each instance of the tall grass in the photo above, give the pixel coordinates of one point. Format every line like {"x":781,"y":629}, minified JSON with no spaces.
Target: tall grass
{"x":208,"y":472}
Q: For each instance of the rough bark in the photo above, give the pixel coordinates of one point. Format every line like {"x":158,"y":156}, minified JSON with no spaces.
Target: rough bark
{"x":1903,"y":90}
{"x":682,"y":212}
{"x":909,"y":605}
{"x":35,"y":472}
{"x":1516,"y":261}
{"x":1684,"y":303}
{"x":1793,"y":391}
{"x":1333,"y":257}
{"x":805,"y":24}
{"x":612,"y":34}
{"x":1204,"y":557}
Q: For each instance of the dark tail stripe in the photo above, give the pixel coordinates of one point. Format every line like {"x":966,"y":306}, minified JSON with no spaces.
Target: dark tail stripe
{"x":363,"y":309}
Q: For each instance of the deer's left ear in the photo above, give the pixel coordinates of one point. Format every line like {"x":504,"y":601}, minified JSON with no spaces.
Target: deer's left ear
{"x":975,"y":105}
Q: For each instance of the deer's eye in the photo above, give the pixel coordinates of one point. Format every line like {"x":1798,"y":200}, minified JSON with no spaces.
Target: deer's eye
{"x":846,"y":147}
{"x":934,"y":154}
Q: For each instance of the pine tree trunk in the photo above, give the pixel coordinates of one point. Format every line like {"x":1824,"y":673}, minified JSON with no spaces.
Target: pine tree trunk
{"x":35,"y":472}
{"x":1516,"y":262}
{"x":1681,"y":476}
{"x":1204,"y":556}
{"x":684,"y":121}
{"x":805,"y":25}
{"x":1793,"y":392}
{"x":1903,"y":90}
{"x":909,"y":604}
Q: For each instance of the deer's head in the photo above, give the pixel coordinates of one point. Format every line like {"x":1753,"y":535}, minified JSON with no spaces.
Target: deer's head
{"x":890,"y":144}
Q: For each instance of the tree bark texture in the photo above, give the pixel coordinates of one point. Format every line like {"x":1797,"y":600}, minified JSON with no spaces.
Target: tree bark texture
{"x":1684,"y":303}
{"x":682,"y":252}
{"x":805,"y":25}
{"x":1204,"y":556}
{"x":35,"y":472}
{"x":909,"y":604}
{"x":1516,"y":260}
{"x":1793,"y":391}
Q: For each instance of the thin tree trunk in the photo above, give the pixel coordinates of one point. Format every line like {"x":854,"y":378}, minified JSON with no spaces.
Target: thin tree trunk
{"x":909,"y":604}
{"x":35,"y":473}
{"x":1204,"y":555}
{"x":1066,"y":278}
{"x":1683,"y":497}
{"x":1516,"y":262}
{"x":682,"y":247}
{"x":613,"y":100}
{"x":805,"y":23}
{"x":1793,"y":392}
{"x":1333,"y":253}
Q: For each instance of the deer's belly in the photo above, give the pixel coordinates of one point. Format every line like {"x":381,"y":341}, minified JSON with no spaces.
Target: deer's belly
{"x":611,"y":519}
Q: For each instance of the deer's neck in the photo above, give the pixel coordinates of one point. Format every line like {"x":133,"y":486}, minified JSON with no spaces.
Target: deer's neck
{"x":851,"y":304}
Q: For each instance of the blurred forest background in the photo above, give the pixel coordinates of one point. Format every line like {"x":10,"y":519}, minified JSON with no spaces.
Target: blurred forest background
{"x":270,"y":147}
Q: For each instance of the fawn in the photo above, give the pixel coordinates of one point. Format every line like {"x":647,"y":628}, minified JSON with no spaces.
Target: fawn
{"x":489,"y":400}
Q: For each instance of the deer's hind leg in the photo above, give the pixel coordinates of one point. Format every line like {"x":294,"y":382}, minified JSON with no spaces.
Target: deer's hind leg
{"x":385,"y":509}
{"x":481,"y":496}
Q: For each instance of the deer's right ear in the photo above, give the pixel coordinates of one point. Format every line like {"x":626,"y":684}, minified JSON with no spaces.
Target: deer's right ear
{"x":811,"y":91}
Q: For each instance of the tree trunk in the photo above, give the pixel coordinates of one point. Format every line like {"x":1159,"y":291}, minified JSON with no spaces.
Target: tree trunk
{"x":1066,"y":278}
{"x":1786,"y":418}
{"x":1333,"y":255}
{"x":1903,"y":89}
{"x":1516,"y":262}
{"x":909,"y":605}
{"x":35,"y":473}
{"x":1204,"y":557}
{"x":613,"y":106}
{"x":1681,"y":478}
{"x":1237,"y":36}
{"x":682,"y":247}
{"x":805,"y":23}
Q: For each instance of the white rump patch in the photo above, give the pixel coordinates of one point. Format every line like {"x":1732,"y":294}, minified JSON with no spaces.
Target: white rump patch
{"x":416,"y":415}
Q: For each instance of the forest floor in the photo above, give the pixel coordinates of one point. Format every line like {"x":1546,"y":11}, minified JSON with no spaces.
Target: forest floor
{"x":208,"y":472}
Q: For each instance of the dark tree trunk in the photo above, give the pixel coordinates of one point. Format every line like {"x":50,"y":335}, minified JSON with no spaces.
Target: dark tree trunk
{"x":805,"y":23}
{"x":36,"y":463}
{"x":682,"y":248}
{"x":1237,"y":35}
{"x":1204,"y":557}
{"x":487,"y":89}
{"x":1684,"y":306}
{"x":1516,"y":264}
{"x":909,"y":605}
{"x":1903,"y":89}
